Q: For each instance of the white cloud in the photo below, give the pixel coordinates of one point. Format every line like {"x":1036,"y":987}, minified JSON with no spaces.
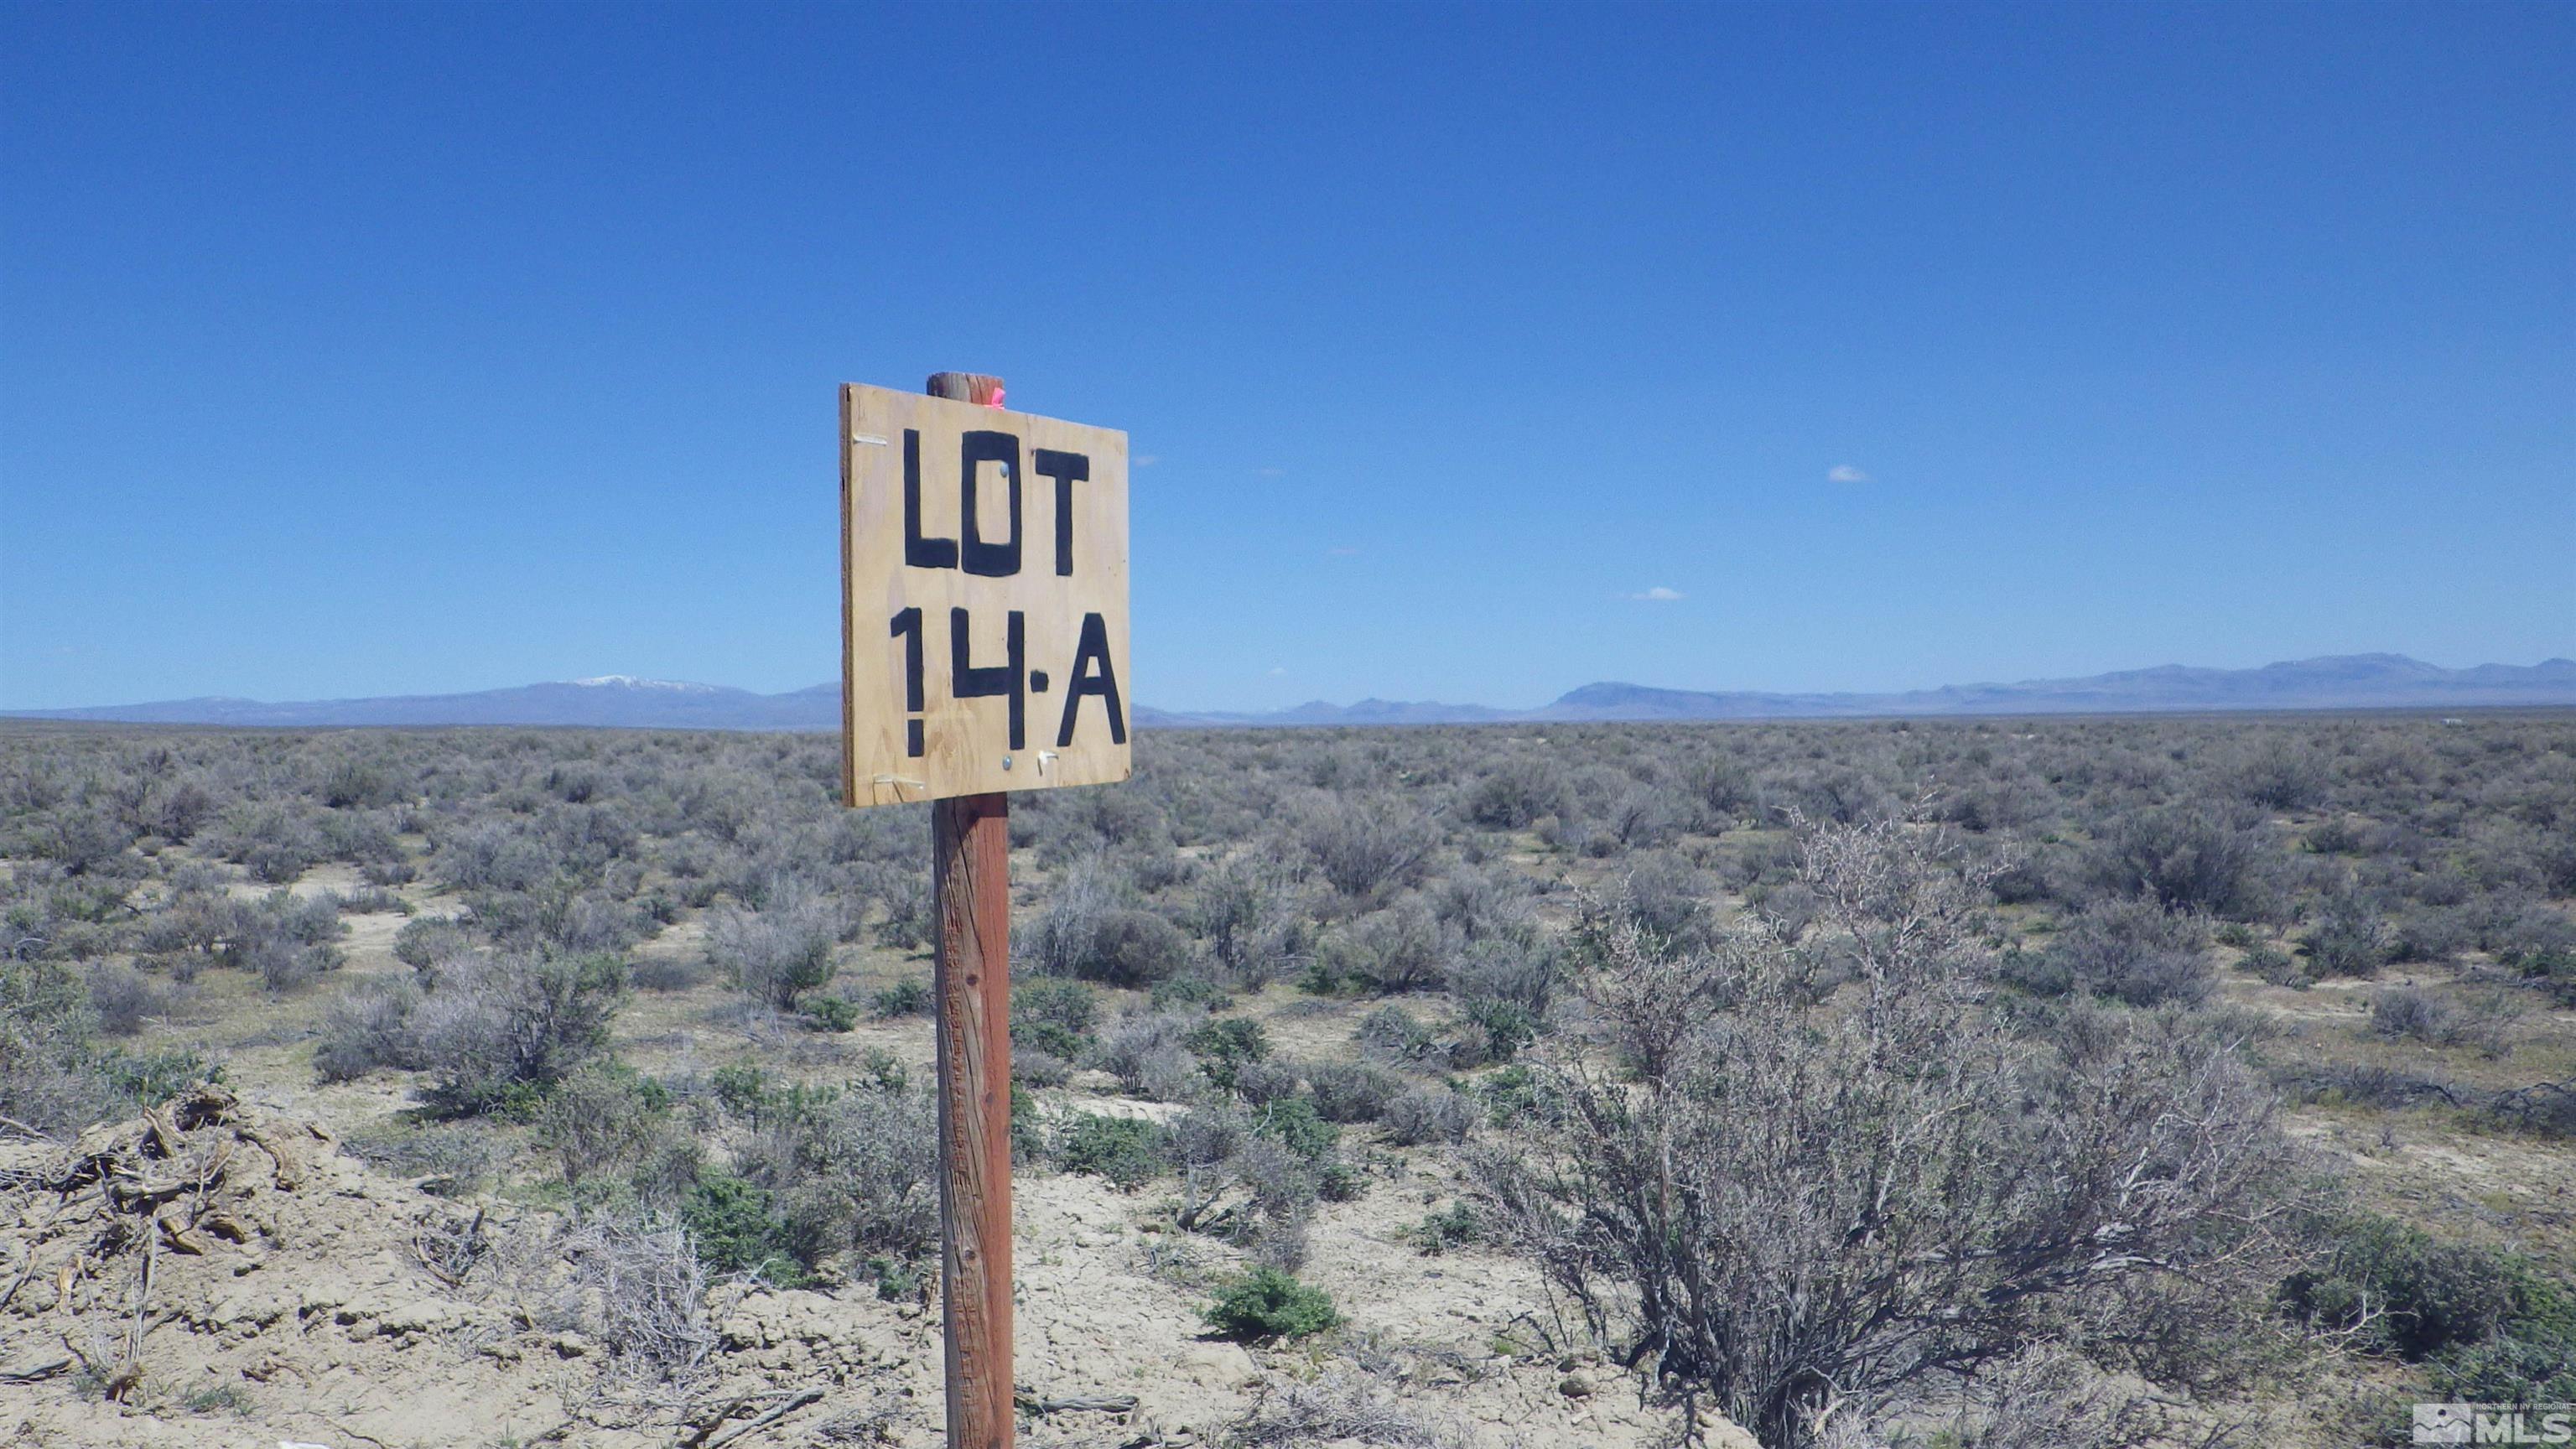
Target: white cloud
{"x":1659,"y":595}
{"x":1845,"y":473}
{"x":1146,"y":460}
{"x":1277,"y":670}
{"x":1272,"y":472}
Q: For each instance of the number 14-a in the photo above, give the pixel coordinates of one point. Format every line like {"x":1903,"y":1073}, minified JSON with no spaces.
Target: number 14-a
{"x":1093,"y":675}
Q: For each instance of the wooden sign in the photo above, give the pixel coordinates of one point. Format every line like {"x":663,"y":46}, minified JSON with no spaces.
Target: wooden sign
{"x":984,"y":580}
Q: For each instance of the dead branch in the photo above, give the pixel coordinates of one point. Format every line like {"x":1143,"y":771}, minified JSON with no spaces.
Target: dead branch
{"x":12,"y":1124}
{"x":798,"y":1401}
{"x":1078,"y":1404}
{"x":34,"y":1372}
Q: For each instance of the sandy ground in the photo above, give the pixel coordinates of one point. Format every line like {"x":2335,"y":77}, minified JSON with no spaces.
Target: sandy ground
{"x":307,"y":1314}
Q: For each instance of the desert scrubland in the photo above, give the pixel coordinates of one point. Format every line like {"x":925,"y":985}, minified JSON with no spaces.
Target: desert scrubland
{"x":2069,"y":1082}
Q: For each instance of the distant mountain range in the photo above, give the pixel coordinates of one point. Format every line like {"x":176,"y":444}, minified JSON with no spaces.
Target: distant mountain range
{"x":2347,"y":681}
{"x":613,"y":701}
{"x":2344,"y":681}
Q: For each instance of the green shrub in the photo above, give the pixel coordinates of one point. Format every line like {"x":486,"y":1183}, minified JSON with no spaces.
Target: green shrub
{"x":2550,"y":968}
{"x":1508,"y":1026}
{"x":222,"y":1396}
{"x":1052,"y":1015}
{"x":737,"y":1229}
{"x":884,"y":1070}
{"x":899,"y":1280}
{"x":151,"y":1077}
{"x":2509,"y":1368}
{"x":601,"y":1117}
{"x":1266,"y":1305}
{"x":1128,"y":1151}
{"x":2523,"y":1322}
{"x":1223,"y":1047}
{"x":1188,"y":990}
{"x":1046,"y":1036}
{"x":1508,"y":1095}
{"x":1391,"y":1033}
{"x":741,"y":1088}
{"x":1028,"y":1133}
{"x":1293,"y":1123}
{"x":849,"y":1168}
{"x":1337,"y":1179}
{"x":2415,"y":1296}
{"x":2271,"y":963}
{"x":908,"y":997}
{"x":1456,"y":1228}
{"x":832,"y":1013}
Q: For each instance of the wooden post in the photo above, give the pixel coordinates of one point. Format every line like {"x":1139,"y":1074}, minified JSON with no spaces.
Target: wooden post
{"x":971,"y":871}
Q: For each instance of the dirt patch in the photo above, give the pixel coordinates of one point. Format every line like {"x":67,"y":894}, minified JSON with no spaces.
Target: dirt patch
{"x":214,"y":1274}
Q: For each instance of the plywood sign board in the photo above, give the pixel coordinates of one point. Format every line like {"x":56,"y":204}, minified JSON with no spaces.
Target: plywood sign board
{"x":984,"y":575}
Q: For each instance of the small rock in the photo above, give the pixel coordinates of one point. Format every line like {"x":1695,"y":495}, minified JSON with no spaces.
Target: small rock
{"x":1574,"y":1386}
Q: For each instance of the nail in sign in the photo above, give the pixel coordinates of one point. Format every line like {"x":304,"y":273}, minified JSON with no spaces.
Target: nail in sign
{"x":984,"y":579}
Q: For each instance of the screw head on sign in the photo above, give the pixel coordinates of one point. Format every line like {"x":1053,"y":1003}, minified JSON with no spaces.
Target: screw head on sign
{"x":1006,"y":762}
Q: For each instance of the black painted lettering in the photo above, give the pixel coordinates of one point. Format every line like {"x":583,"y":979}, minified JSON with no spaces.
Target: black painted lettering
{"x":1066,"y":469}
{"x":992,"y":560}
{"x":1093,"y":674}
{"x":906,"y":626}
{"x":920,"y":552}
{"x":983,"y":682}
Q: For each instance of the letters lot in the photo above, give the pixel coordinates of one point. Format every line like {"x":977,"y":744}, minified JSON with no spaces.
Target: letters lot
{"x":985,"y":563}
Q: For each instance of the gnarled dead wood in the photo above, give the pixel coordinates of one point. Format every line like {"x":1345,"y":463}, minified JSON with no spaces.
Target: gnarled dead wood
{"x":30,"y":1373}
{"x":799,"y":1400}
{"x":1079,"y":1404}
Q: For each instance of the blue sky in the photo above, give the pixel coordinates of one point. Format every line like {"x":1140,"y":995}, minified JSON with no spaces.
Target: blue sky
{"x":374,"y":349}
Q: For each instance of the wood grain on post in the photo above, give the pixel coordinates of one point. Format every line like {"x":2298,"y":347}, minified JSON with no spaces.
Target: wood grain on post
{"x":971,"y":872}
